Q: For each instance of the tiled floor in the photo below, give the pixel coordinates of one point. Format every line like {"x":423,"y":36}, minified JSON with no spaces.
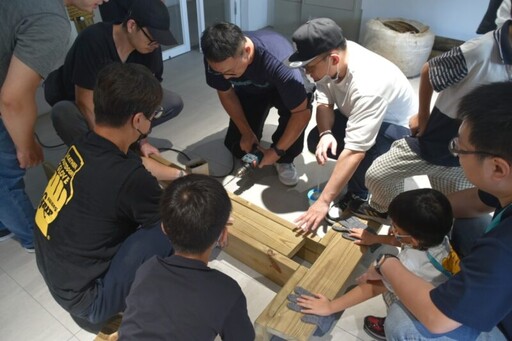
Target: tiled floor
{"x":27,"y":310}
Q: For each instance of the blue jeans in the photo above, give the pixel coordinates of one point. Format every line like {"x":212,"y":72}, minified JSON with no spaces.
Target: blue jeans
{"x":114,"y":286}
{"x":16,"y":210}
{"x":388,"y":133}
{"x":402,"y":325}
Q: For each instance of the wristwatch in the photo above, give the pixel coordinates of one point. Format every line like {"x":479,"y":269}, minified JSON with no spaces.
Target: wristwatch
{"x":381,"y":259}
{"x":278,"y":151}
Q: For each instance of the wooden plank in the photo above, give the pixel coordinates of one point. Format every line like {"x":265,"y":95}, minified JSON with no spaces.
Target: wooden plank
{"x":266,"y":230}
{"x":260,"y":325}
{"x":267,"y":261}
{"x":327,"y":276}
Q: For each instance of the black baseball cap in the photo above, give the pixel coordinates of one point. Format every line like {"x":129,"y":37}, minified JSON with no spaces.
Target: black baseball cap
{"x":314,"y":38}
{"x":153,"y":15}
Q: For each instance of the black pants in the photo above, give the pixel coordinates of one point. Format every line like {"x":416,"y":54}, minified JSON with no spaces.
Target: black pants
{"x":256,"y":109}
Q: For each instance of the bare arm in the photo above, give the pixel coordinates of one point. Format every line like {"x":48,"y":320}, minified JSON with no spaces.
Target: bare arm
{"x":467,"y":204}
{"x":231,"y":104}
{"x":296,"y":124}
{"x":161,"y":171}
{"x":346,"y":165}
{"x":418,"y":123}
{"x":414,"y":293}
{"x":84,"y":102}
{"x":19,"y":111}
{"x":321,"y":305}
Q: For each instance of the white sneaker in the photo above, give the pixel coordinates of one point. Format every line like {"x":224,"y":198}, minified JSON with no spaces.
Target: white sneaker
{"x":287,"y":174}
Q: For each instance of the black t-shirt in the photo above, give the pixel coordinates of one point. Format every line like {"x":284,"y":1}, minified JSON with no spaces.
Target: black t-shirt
{"x":177,"y":298}
{"x":93,"y":49}
{"x":266,"y":73}
{"x":95,"y":200}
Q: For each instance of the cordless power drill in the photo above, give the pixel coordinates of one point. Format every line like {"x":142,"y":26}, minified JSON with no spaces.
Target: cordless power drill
{"x":250,"y":160}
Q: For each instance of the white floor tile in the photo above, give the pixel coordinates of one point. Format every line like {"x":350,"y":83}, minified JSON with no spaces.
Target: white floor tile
{"x":22,"y":318}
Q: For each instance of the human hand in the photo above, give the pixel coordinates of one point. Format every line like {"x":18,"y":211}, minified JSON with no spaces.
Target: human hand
{"x":310,"y":220}
{"x":414,"y":124}
{"x":363,"y":237}
{"x":147,"y":149}
{"x":326,"y":143}
{"x":318,"y":304}
{"x":269,"y":157}
{"x":31,"y":155}
{"x":247,"y":142}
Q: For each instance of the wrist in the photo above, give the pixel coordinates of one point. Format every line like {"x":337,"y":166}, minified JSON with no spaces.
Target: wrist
{"x":324,"y":133}
{"x":278,"y":151}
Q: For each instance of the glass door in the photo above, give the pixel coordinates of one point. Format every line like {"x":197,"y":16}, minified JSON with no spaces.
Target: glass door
{"x":212,"y":11}
{"x":179,"y":28}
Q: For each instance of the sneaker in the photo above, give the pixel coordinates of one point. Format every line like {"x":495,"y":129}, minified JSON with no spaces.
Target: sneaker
{"x":29,"y":249}
{"x":365,"y":211}
{"x":287,"y":174}
{"x":374,"y":326}
{"x":5,"y":234}
{"x":349,"y":201}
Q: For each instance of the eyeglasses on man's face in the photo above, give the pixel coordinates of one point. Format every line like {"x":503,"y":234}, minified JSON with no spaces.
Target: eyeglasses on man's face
{"x":455,"y":150}
{"x":310,"y":67}
{"x":229,"y":73}
{"x":156,"y":114}
{"x":152,"y":42}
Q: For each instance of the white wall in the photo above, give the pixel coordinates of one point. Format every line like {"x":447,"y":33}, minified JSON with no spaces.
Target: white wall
{"x":254,"y":14}
{"x":456,"y":19}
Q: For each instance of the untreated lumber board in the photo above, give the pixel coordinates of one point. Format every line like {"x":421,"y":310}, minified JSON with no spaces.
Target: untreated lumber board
{"x":265,"y":227}
{"x":327,"y":276}
{"x":258,"y":256}
{"x":260,"y":325}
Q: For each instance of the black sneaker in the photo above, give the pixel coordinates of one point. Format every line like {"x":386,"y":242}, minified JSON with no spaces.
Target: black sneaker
{"x":365,"y":211}
{"x":349,"y":201}
{"x":374,"y":326}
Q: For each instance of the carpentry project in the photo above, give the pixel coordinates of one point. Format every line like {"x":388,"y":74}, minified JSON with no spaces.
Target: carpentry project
{"x":272,"y":246}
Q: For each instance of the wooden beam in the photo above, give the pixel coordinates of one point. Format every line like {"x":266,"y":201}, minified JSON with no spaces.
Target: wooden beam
{"x":327,"y":276}
{"x":260,"y":325}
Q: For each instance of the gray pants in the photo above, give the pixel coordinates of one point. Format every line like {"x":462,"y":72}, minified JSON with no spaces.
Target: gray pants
{"x":70,"y":123}
{"x":385,"y":177}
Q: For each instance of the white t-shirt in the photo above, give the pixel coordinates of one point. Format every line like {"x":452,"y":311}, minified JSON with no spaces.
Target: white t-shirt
{"x":417,"y":262}
{"x":373,"y":91}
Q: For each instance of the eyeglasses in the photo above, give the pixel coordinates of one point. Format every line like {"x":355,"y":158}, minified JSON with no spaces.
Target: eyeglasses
{"x":454,"y":149}
{"x":230,"y":72}
{"x":152,"y":42}
{"x":309,"y":67}
{"x":156,"y":114}
{"x":398,"y":237}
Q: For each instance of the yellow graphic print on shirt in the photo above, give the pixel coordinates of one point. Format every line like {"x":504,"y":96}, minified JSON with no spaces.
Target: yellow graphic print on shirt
{"x":59,"y":190}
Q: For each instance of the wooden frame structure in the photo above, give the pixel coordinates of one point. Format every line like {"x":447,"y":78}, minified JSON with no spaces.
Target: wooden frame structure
{"x":270,"y":245}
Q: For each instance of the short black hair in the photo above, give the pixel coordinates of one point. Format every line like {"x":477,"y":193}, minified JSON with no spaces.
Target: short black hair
{"x":425,"y":214}
{"x":487,"y":110}
{"x":221,"y":41}
{"x":122,"y":90}
{"x":194,"y":211}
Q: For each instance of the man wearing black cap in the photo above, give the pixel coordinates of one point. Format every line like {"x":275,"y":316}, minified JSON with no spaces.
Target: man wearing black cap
{"x":374,"y":102}
{"x":248,"y":73}
{"x":136,"y":40}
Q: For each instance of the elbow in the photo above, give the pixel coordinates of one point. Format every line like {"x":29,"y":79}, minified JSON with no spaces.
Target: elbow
{"x":9,"y":104}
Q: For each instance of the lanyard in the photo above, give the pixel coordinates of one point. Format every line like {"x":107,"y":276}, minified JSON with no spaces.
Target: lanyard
{"x":438,"y":266}
{"x":496,"y":220}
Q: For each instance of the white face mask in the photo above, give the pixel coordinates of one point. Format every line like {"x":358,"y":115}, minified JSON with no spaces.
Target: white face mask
{"x":326,"y":79}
